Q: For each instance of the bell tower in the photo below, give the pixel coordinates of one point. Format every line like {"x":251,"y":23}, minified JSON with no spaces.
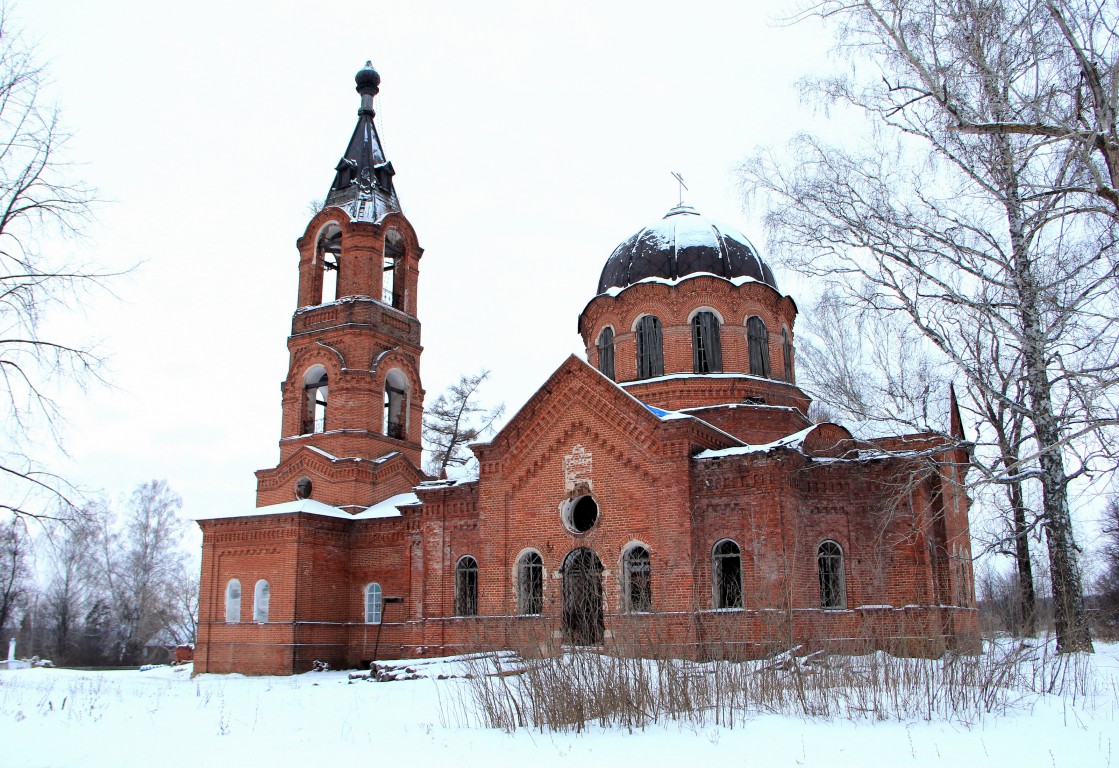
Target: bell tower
{"x":352,"y":399}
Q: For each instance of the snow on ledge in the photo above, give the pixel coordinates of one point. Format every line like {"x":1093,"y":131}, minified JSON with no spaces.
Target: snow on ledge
{"x":795,"y":440}
{"x":742,"y":280}
{"x":387,"y":508}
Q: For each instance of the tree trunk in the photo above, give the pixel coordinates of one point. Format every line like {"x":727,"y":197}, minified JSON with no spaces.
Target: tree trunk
{"x":1025,"y":594}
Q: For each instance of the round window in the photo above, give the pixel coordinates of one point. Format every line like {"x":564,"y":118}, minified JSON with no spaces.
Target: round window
{"x":580,"y":514}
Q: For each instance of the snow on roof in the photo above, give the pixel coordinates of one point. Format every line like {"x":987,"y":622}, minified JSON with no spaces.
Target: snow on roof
{"x":449,"y":482}
{"x":669,"y":376}
{"x":332,"y":457}
{"x":794,"y":440}
{"x":732,"y":406}
{"x":387,"y":508}
{"x":742,"y":280}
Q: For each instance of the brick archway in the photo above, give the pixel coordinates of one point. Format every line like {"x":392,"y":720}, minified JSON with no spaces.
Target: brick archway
{"x":582,"y":598}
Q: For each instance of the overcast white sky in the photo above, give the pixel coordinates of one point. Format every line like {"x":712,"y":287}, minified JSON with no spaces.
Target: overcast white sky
{"x":529,"y":139}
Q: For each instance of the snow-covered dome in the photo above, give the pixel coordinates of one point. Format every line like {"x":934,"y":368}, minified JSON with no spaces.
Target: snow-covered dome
{"x":683,"y":243}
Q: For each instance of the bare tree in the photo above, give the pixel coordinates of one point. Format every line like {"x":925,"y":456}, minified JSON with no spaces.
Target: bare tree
{"x":878,"y":371}
{"x":455,"y":420}
{"x":15,"y":568}
{"x":73,"y":584}
{"x":38,"y":199}
{"x":971,"y":232}
{"x":1107,"y":585}
{"x":142,"y":564}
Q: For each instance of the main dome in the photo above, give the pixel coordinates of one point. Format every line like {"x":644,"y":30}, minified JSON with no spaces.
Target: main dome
{"x":680,"y":244}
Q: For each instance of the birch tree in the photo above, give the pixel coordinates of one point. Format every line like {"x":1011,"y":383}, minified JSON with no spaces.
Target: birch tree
{"x":971,"y":229}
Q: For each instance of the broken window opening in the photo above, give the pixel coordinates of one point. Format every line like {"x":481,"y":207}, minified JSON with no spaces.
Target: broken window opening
{"x":233,"y":601}
{"x":728,"y":574}
{"x":829,"y":561}
{"x":759,"y":346}
{"x":329,"y":253}
{"x":373,"y":603}
{"x":787,"y":354}
{"x":650,"y":348}
{"x":580,"y":514}
{"x":530,"y":584}
{"x":707,"y":351}
{"x":261,"y":596}
{"x":606,"y":352}
{"x":392,"y":288}
{"x":638,"y":581}
{"x":466,"y":587}
{"x":315,"y":385}
{"x":396,"y":402}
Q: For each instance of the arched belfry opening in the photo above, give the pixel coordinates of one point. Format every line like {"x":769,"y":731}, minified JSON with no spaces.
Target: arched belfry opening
{"x":582,"y":598}
{"x":392,"y":285}
{"x":328,"y":258}
{"x":315,"y":388}
{"x":396,"y":405}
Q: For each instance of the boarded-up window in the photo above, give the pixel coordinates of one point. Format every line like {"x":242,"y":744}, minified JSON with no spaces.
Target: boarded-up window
{"x":261,"y":596}
{"x":829,"y":561}
{"x":373,"y":603}
{"x":638,"y":581}
{"x":530,"y":584}
{"x":759,"y":346}
{"x":707,"y":351}
{"x":466,"y":587}
{"x":233,"y":601}
{"x":727,"y":568}
{"x":606,"y":352}
{"x":650,"y":350}
{"x":787,"y":354}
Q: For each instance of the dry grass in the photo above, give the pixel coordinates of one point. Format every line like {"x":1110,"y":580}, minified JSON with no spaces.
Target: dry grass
{"x":578,"y":687}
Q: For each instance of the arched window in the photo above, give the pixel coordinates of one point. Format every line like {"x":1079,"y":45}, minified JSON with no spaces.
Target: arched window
{"x":396,"y":405}
{"x":787,"y":354}
{"x":829,"y":561}
{"x":233,"y":601}
{"x":606,"y":352}
{"x":373,"y":603}
{"x":392,"y":288}
{"x":727,"y":573}
{"x":466,"y":587}
{"x":637,"y":580}
{"x":707,"y":351}
{"x":261,"y":593}
{"x":329,"y":253}
{"x":315,"y":387}
{"x":650,"y":349}
{"x":759,"y":346}
{"x":530,"y":584}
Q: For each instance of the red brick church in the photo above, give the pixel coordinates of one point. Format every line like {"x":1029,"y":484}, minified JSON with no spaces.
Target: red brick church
{"x":672,"y":490}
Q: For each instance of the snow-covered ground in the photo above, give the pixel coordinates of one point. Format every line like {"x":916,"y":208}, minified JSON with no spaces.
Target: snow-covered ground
{"x":53,"y":717}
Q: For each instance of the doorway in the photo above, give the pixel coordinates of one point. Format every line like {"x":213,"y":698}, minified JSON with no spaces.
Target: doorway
{"x":582,"y":598}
